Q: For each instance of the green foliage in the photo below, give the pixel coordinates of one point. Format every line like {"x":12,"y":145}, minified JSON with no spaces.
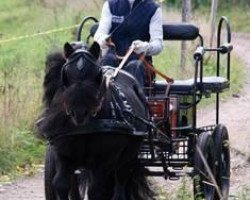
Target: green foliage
{"x":20,"y":151}
{"x":183,"y":192}
{"x":236,"y":10}
{"x":196,"y":4}
{"x":22,"y":70}
{"x":239,"y":18}
{"x":243,"y":192}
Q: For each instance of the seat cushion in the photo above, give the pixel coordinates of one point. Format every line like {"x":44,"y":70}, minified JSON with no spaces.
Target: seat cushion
{"x":211,"y":84}
{"x":178,"y":87}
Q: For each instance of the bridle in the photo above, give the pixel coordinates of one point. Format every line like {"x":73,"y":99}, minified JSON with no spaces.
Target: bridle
{"x":78,"y":54}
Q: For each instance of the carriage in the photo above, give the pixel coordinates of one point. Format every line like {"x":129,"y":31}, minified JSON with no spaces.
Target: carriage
{"x":174,"y":146}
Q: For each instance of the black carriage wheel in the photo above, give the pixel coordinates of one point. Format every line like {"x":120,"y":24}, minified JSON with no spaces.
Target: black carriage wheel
{"x":49,"y":173}
{"x":78,"y":181}
{"x":221,"y":141}
{"x":203,"y":186}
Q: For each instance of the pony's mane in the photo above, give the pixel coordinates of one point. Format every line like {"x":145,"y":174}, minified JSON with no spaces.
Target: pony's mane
{"x":52,"y":80}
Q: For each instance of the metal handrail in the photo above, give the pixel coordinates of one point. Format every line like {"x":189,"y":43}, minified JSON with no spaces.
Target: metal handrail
{"x":223,"y":19}
{"x":81,"y":26}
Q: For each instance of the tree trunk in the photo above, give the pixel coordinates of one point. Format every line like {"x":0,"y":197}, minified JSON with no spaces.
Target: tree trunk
{"x":214,"y":7}
{"x":186,"y":17}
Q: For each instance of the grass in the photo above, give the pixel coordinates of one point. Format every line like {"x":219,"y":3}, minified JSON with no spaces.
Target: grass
{"x":237,"y":13}
{"x":243,"y":193}
{"x":182,"y":191}
{"x":21,"y":74}
{"x":239,"y":17}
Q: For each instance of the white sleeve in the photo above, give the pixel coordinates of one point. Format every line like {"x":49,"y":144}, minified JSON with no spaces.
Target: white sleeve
{"x":104,"y":24}
{"x":156,"y":33}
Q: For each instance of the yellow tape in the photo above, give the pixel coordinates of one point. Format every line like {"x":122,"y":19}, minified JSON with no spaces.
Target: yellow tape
{"x":38,"y":34}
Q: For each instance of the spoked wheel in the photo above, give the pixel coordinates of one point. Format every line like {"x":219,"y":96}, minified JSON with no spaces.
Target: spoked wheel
{"x":203,"y":185}
{"x":221,"y":141}
{"x":78,"y":181}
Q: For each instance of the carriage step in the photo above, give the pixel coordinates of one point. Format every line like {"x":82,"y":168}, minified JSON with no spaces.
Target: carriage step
{"x":173,"y":176}
{"x":177,"y":168}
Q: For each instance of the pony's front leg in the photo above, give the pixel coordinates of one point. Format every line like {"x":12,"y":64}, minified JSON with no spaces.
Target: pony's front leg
{"x":101,"y":185}
{"x":62,"y":180}
{"x":119,"y":193}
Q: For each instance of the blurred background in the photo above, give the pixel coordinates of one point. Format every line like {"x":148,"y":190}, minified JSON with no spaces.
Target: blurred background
{"x":23,"y":52}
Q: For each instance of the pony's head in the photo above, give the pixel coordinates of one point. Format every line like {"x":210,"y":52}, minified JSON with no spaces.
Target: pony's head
{"x":82,"y":79}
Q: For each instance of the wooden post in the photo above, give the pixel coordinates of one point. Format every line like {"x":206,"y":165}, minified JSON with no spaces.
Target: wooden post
{"x":214,"y":7}
{"x":186,"y":17}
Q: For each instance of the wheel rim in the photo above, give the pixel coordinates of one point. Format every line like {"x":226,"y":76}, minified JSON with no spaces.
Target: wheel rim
{"x":225,"y":169}
{"x":208,"y":188}
{"x":221,"y":140}
{"x":205,"y":189}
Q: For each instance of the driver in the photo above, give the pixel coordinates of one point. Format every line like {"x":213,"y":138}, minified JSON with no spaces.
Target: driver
{"x":126,"y":22}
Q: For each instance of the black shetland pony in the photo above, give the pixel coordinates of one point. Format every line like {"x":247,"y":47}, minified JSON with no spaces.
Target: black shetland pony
{"x":87,"y":124}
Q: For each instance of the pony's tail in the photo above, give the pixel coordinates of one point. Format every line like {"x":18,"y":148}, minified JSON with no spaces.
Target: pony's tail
{"x":52,"y":80}
{"x":139,"y":187}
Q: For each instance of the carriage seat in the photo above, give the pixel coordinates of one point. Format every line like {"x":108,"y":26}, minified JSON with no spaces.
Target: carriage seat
{"x":211,"y":84}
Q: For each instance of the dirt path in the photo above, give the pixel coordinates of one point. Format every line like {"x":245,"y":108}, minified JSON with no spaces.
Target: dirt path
{"x":235,"y":115}
{"x":30,"y":188}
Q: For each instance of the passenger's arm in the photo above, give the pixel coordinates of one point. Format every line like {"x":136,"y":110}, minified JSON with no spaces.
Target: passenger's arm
{"x":155,"y":45}
{"x":104,"y":27}
{"x":156,"y":34}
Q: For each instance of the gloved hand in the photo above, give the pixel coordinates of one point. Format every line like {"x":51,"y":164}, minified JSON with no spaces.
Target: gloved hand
{"x":102,"y":40}
{"x":140,"y":46}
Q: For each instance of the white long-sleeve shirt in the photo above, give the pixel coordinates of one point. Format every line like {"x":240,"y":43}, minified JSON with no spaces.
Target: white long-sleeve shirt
{"x":155,"y":28}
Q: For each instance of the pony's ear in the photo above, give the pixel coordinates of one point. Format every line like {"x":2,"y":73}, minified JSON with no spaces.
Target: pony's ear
{"x":68,"y":50}
{"x":95,"y":50}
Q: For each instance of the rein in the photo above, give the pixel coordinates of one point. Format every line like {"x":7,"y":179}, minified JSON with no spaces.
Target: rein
{"x":125,"y":58}
{"x":150,"y":67}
